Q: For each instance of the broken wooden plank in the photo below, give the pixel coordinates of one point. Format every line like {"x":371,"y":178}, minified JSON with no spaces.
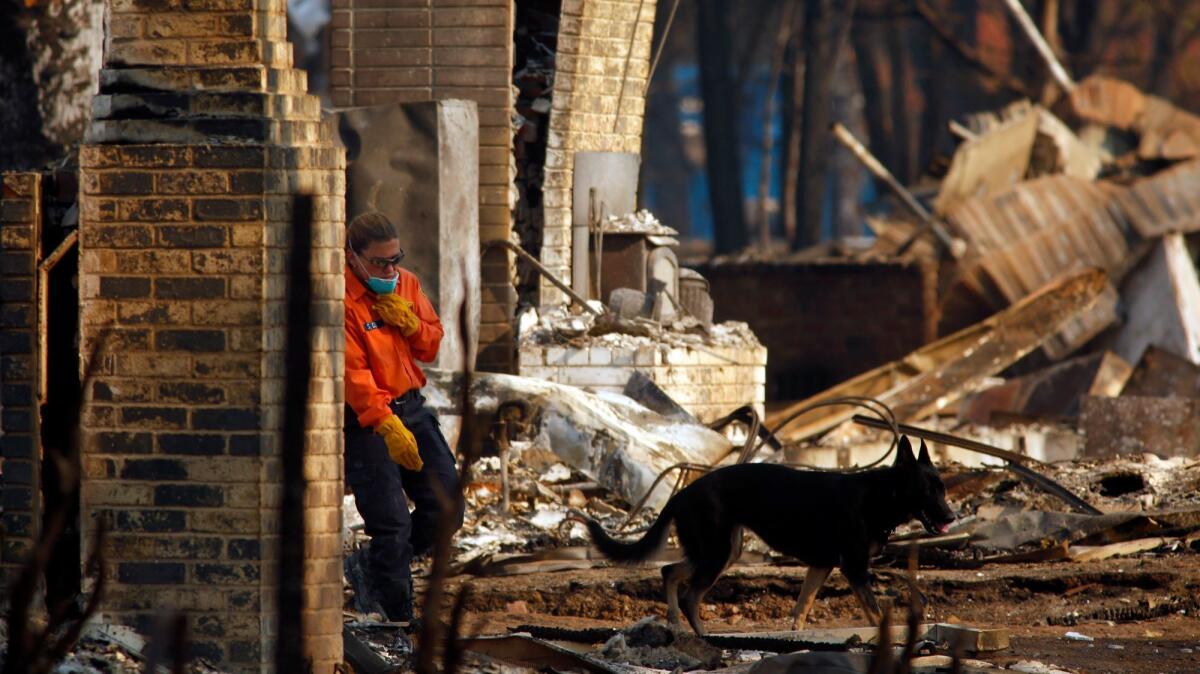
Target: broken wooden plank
{"x":936,"y":375}
{"x":970,"y":639}
{"x":527,"y":650}
{"x":787,"y":641}
{"x":938,"y":664}
{"x":1081,"y":553}
{"x":977,"y":640}
{"x":799,"y":663}
{"x":902,"y":546}
{"x":1056,"y":552}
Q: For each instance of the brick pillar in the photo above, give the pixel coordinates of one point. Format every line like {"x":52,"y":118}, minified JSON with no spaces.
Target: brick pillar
{"x":20,"y":229}
{"x":202,"y":132}
{"x":597,"y":74}
{"x":418,"y":50}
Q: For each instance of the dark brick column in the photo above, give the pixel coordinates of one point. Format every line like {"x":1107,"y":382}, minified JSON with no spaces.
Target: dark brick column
{"x":20,"y":229}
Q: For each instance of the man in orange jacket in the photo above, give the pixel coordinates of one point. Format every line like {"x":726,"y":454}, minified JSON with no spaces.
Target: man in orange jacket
{"x":394,"y":445}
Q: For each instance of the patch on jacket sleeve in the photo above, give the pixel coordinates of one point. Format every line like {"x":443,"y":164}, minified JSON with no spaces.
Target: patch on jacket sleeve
{"x":373,"y":325}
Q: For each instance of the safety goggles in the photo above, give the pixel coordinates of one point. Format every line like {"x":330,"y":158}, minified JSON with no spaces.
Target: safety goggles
{"x":381,"y":262}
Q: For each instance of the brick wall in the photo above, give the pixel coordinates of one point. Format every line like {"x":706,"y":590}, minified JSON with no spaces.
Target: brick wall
{"x":598,"y":104}
{"x":186,"y":187}
{"x":198,"y":33}
{"x":827,"y":321}
{"x":387,"y":51}
{"x":709,"y":382}
{"x":20,"y":229}
{"x":183,"y":255}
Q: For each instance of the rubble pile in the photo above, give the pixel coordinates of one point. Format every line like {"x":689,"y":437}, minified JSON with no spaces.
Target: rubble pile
{"x":1065,"y":424}
{"x":638,"y":222}
{"x":559,"y":326}
{"x":1121,"y":484}
{"x":652,"y":643}
{"x":542,"y":490}
{"x":113,"y":649}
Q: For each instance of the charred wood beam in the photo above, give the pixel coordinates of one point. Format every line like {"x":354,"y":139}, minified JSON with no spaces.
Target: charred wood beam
{"x":880,"y":171}
{"x":722,"y":157}
{"x":826,"y":25}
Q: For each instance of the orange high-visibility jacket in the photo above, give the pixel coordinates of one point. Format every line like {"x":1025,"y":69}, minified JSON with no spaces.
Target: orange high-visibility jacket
{"x":380,"y":361}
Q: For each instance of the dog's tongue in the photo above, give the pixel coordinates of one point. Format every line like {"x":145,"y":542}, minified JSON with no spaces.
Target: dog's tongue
{"x":944,"y":528}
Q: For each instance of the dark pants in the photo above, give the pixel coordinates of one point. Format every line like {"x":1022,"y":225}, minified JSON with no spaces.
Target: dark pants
{"x":380,"y":486}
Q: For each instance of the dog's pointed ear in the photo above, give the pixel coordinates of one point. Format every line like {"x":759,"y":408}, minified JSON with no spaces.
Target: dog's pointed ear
{"x":904,"y":455}
{"x":924,"y":455}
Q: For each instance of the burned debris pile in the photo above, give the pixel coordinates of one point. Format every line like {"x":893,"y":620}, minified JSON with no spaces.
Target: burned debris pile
{"x":1059,"y":402}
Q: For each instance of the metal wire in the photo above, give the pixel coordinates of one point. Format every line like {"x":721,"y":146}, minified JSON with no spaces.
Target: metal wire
{"x":683,"y":468}
{"x":662,"y":43}
{"x":872,"y":405}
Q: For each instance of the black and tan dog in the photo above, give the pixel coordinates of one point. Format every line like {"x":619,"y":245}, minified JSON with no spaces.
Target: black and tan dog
{"x":825,"y":520}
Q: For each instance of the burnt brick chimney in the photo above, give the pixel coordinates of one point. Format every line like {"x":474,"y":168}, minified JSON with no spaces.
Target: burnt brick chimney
{"x":202,"y":133}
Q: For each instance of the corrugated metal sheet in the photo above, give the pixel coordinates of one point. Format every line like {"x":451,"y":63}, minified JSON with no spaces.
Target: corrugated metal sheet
{"x":1168,"y":201}
{"x":1037,"y":231}
{"x":1034,"y":232}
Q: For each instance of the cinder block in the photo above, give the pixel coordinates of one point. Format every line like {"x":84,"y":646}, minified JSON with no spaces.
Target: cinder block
{"x":595,"y":376}
{"x":576,"y":357}
{"x":600,"y":355}
{"x":530,"y":356}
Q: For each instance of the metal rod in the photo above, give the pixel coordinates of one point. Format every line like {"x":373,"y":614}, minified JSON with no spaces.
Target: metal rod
{"x":1035,"y":36}
{"x":625,"y":69}
{"x":524,"y":255}
{"x":1053,"y":488}
{"x":961,"y":131}
{"x":63,"y":248}
{"x":43,"y":311}
{"x":947,"y":439}
{"x":880,"y":171}
{"x":662,"y":43}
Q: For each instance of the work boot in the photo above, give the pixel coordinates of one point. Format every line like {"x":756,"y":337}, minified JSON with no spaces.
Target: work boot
{"x":397,"y":601}
{"x":366,"y":599}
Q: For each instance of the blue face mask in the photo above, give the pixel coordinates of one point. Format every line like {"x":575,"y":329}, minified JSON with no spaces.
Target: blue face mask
{"x":383,"y":286}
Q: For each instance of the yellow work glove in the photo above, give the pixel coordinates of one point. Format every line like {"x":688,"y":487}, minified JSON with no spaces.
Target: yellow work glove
{"x":397,"y":311}
{"x":401,"y":444}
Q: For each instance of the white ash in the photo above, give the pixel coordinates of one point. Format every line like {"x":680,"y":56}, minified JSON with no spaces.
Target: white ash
{"x":639,"y":222}
{"x":558,"y":325}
